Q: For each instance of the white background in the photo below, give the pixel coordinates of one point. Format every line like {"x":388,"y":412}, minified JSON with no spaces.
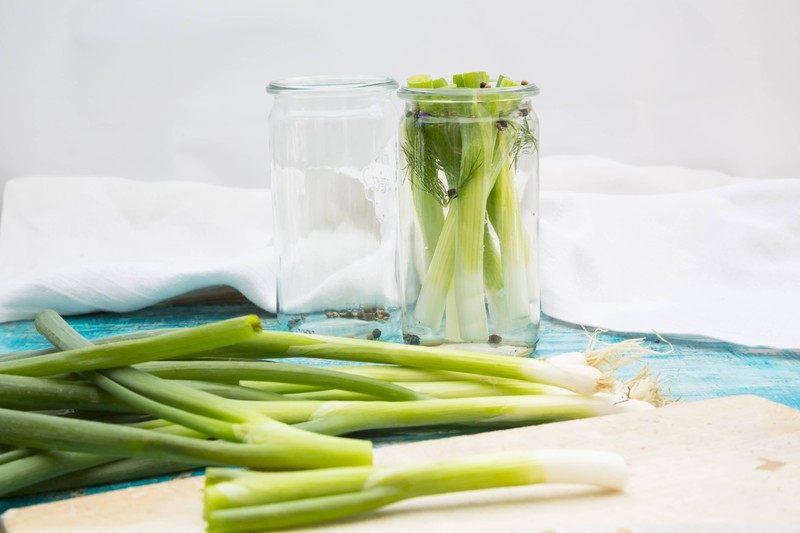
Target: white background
{"x":175,"y":89}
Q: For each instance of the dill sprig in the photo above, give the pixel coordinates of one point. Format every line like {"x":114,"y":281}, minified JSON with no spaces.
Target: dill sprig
{"x":422,"y":163}
{"x":525,"y":141}
{"x":433,"y":146}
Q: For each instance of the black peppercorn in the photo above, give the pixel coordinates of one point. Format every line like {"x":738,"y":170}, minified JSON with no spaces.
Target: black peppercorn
{"x":410,"y":339}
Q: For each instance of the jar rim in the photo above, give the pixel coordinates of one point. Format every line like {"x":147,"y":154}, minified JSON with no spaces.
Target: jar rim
{"x":330,"y":84}
{"x":466,"y":93}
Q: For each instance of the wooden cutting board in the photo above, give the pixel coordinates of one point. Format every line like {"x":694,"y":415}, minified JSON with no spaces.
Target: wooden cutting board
{"x":730,"y":464}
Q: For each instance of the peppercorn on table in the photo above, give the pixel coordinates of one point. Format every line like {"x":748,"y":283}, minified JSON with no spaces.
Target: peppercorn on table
{"x":693,"y":368}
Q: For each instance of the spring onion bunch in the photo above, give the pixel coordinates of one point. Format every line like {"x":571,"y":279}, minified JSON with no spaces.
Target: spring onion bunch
{"x":233,"y":432}
{"x":114,"y":409}
{"x":474,"y":253}
{"x":580,"y":378}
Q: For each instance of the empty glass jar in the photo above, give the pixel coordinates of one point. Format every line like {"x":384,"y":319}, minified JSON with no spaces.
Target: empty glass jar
{"x":334,"y":150}
{"x":469,"y":217}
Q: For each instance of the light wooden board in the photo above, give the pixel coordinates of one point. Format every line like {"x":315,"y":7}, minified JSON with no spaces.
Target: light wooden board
{"x":730,"y":464}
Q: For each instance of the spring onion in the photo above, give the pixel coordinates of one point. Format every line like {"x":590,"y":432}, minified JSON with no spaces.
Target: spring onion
{"x":274,"y":344}
{"x":115,"y":471}
{"x":49,"y":432}
{"x":40,"y":466}
{"x":235,"y":371}
{"x":172,"y":344}
{"x":445,"y":390}
{"x":195,"y":409}
{"x":241,"y":502}
{"x":24,"y":354}
{"x":40,"y":394}
{"x":339,"y":418}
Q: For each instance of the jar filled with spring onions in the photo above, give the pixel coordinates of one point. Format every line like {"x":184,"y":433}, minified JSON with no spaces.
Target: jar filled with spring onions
{"x":469,"y":212}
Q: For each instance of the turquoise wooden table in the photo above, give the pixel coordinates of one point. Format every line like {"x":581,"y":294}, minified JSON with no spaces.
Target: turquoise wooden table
{"x":692,"y":369}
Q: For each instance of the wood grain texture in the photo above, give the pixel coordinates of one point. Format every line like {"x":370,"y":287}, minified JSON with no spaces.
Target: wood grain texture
{"x":729,"y":464}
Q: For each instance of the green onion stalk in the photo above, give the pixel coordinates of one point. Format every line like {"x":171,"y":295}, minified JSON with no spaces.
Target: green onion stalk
{"x":115,"y":471}
{"x":34,"y":467}
{"x":461,"y":143}
{"x":169,"y":345}
{"x":246,"y":436}
{"x":13,"y":356}
{"x":244,"y":501}
{"x":345,"y":417}
{"x":442,"y":390}
{"x":48,"y":432}
{"x":235,"y":371}
{"x":579,"y":378}
{"x":204,"y":412}
{"x":41,"y":394}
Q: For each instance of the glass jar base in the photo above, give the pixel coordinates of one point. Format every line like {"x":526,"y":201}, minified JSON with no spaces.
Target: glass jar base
{"x":372,"y":323}
{"x":519,"y":342}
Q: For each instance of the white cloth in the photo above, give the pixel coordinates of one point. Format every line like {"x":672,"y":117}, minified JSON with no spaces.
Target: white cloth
{"x":627,"y":248}
{"x":671,"y":250}
{"x":85,"y":244}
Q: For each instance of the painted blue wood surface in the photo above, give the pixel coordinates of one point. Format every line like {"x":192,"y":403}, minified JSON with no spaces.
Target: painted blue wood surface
{"x":695,"y":369}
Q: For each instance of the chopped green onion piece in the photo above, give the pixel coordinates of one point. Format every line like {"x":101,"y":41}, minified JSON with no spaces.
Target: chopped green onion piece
{"x":420,"y":81}
{"x":473,"y":80}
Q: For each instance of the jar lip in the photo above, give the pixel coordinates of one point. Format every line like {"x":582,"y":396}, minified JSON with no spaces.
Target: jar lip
{"x":465,"y":93}
{"x":330,"y":84}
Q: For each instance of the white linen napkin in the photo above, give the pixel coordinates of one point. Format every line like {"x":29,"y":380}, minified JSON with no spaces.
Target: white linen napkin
{"x":627,"y":248}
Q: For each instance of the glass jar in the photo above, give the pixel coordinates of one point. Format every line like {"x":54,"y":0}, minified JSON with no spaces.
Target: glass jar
{"x":469,"y":217}
{"x":334,"y":154}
